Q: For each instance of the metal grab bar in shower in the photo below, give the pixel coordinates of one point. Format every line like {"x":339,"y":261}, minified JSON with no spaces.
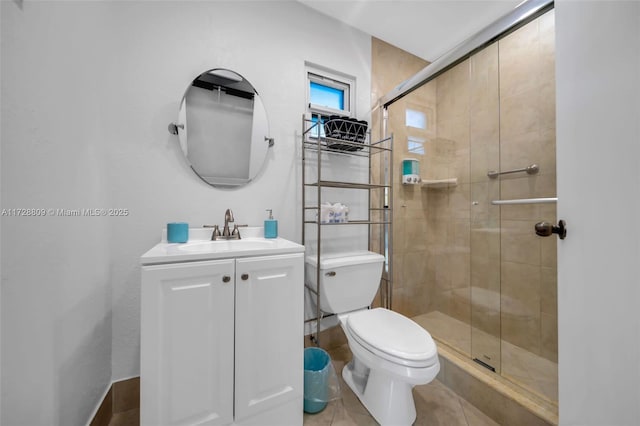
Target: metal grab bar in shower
{"x":532,"y":170}
{"x":525,"y":201}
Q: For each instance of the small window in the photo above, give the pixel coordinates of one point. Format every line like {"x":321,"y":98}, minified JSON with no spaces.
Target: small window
{"x":416,"y":119}
{"x":328,"y":93}
{"x":326,"y":96}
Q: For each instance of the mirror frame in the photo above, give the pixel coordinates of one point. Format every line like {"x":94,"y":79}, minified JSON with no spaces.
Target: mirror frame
{"x":227,"y":83}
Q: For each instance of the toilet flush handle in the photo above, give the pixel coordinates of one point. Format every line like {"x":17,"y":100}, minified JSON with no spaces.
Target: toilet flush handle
{"x":330,"y":274}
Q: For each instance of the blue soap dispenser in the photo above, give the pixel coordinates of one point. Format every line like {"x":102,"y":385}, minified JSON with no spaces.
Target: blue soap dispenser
{"x":270,"y":226}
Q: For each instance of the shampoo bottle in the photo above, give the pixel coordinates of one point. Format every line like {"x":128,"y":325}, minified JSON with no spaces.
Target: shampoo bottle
{"x":270,"y":226}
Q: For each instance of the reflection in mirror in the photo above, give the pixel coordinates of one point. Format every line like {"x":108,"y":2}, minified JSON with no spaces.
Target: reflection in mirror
{"x":223,"y":128}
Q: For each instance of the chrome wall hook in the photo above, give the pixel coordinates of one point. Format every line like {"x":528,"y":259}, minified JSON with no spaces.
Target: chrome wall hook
{"x":270,"y":140}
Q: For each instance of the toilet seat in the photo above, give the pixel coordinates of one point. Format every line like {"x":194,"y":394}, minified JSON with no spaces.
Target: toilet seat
{"x":393,"y":337}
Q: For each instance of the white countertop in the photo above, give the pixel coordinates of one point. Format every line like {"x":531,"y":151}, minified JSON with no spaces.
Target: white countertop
{"x":200,"y":247}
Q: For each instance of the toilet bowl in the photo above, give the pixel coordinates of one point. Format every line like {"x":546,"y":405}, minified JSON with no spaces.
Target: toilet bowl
{"x":391,"y":353}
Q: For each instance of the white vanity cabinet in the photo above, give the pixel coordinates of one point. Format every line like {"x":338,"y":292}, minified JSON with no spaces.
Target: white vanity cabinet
{"x":222,"y":341}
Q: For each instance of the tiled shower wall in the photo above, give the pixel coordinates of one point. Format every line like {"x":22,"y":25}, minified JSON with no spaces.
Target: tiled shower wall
{"x":527,"y":133}
{"x":390,"y":66}
{"x":494,"y":111}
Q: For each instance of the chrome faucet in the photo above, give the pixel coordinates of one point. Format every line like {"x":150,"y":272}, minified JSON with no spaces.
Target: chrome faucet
{"x":228,"y":217}
{"x":226,"y":234}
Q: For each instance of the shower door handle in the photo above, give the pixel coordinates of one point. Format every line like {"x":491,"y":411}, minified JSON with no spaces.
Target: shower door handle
{"x":545,"y":229}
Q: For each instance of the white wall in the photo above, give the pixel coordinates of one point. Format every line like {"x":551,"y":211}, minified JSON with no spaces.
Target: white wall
{"x":56,"y":289}
{"x":88,"y":89}
{"x":598,"y":146}
{"x":148,"y":174}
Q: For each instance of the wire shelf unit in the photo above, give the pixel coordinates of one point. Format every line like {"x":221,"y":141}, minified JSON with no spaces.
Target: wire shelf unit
{"x":319,"y":145}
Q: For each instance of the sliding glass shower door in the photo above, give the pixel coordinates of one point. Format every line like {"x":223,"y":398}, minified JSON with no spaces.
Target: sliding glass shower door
{"x":471,"y":270}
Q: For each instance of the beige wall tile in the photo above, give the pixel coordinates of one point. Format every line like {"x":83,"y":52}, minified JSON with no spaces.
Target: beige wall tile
{"x":484,"y":78}
{"x":547,"y":105}
{"x":453,"y":92}
{"x":520,"y":286}
{"x":549,"y":336}
{"x":460,"y":202}
{"x":460,"y":235}
{"x":519,"y":60}
{"x":440,"y":264}
{"x":547,"y":46}
{"x":536,"y":147}
{"x":520,"y":305}
{"x":549,"y":291}
{"x":485,"y":215}
{"x":437,"y":233}
{"x":485,"y":273}
{"x":484,"y":143}
{"x":521,"y":331}
{"x":460,"y":265}
{"x":460,"y":306}
{"x":519,"y":113}
{"x":387,"y":76}
{"x":548,"y":212}
{"x":548,"y":248}
{"x":484,"y":114}
{"x":414,"y":269}
{"x":398,"y":270}
{"x":519,"y":243}
{"x":485,"y":311}
{"x":438,"y":204}
{"x":408,"y":301}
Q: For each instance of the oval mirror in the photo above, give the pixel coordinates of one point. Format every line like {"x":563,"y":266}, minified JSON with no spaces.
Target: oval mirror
{"x":223,"y":129}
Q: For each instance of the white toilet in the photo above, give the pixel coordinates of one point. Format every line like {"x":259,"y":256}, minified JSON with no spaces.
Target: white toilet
{"x":391,"y":353}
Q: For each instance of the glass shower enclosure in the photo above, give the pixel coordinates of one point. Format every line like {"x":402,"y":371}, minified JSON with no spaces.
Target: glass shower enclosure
{"x":468,"y":265}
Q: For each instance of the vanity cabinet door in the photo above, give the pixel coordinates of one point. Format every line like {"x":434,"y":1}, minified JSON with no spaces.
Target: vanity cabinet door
{"x":269,"y":334}
{"x":187,"y":335}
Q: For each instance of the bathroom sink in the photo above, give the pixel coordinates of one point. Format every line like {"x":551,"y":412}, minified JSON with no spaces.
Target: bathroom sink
{"x":227,"y":245}
{"x":200,"y":247}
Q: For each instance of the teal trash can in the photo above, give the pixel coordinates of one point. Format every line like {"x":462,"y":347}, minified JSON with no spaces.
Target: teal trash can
{"x":317,"y":364}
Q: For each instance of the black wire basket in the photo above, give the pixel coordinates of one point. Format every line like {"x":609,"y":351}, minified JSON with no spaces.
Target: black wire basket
{"x":338,"y":129}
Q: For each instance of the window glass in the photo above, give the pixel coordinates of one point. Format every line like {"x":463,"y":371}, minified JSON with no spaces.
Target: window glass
{"x":326,"y":96}
{"x":415,"y":145}
{"x":417,"y":119}
{"x":329,"y":93}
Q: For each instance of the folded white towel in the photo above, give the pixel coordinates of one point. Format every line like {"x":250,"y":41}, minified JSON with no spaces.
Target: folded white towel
{"x":334,"y":213}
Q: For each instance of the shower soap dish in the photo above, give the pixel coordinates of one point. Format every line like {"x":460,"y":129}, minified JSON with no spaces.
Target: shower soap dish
{"x":439,"y":183}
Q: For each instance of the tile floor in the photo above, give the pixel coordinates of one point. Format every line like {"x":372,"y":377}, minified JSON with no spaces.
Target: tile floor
{"x":435,"y":405}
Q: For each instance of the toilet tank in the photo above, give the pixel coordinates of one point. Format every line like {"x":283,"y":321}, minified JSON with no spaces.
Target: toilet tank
{"x":348,"y":281}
